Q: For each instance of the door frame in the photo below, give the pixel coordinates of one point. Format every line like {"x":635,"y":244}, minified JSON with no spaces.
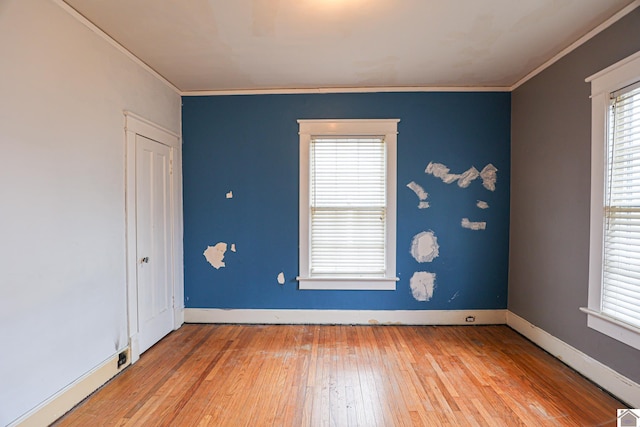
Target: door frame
{"x":136,"y":125}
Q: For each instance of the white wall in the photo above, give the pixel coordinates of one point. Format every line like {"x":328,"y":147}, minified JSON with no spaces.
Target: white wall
{"x":63,"y":303}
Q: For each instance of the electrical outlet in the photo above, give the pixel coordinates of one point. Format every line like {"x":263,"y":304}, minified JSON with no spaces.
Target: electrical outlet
{"x":122,"y":359}
{"x":470,"y":319}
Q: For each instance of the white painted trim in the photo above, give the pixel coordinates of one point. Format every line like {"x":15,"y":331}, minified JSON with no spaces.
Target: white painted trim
{"x":381,"y":89}
{"x":90,"y":25}
{"x":345,"y":317}
{"x":603,"y":83}
{"x":345,"y":127}
{"x":64,"y":400}
{"x":615,"y":383}
{"x":136,"y":125}
{"x":573,"y":46}
{"x":354,"y":284}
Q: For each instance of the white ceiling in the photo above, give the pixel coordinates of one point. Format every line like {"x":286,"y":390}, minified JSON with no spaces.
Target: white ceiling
{"x":207,"y":45}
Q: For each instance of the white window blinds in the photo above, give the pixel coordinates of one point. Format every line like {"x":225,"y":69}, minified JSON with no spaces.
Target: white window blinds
{"x":621,"y":267}
{"x":348,"y":206}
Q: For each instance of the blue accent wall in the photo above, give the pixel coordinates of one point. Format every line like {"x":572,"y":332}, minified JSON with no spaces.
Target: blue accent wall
{"x":249,"y":145}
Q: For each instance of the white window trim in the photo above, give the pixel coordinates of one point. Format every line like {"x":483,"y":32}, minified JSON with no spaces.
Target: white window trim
{"x":603,"y":83}
{"x":342,"y":127}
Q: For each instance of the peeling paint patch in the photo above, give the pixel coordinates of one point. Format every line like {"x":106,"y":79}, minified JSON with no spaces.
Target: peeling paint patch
{"x":482,"y":205}
{"x":441,"y":171}
{"x":233,"y":247}
{"x":281,"y":278}
{"x":422,"y":284}
{"x":215,"y":254}
{"x":473,"y":225}
{"x":489,"y":177}
{"x":468,"y":176}
{"x":422,"y":195}
{"x":424,"y":246}
{"x":230,"y":195}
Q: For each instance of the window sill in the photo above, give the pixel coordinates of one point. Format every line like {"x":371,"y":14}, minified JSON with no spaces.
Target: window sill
{"x":612,"y":327}
{"x":348,"y":284}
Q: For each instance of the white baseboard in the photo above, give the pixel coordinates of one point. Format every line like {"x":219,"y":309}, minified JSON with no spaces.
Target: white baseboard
{"x":620,"y":386}
{"x":63,"y":401}
{"x":345,"y":317}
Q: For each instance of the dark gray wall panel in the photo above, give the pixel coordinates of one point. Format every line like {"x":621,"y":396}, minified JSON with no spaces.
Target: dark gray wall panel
{"x":550,"y":196}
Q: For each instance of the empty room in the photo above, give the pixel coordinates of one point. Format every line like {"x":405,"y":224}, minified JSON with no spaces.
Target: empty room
{"x":320,"y":213}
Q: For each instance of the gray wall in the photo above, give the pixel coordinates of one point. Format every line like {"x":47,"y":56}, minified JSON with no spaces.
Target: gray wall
{"x":550,"y":196}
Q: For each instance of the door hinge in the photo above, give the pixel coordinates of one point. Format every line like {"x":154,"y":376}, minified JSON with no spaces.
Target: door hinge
{"x":171,"y":167}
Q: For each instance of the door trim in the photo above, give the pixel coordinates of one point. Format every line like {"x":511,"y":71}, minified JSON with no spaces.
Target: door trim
{"x":136,"y":125}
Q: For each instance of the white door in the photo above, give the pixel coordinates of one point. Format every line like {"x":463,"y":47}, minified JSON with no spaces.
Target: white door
{"x":153,"y":241}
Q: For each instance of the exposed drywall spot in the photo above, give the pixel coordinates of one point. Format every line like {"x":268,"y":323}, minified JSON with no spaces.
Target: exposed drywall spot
{"x":489,"y":177}
{"x":230,"y":195}
{"x":454,"y":296}
{"x":373,"y":322}
{"x":417,"y":188}
{"x":468,"y":176}
{"x":422,"y":284}
{"x":233,"y":247}
{"x":424,"y":246}
{"x":473,"y":225}
{"x":215,"y":254}
{"x":281,"y":278}
{"x":482,"y":204}
{"x":423,"y":205}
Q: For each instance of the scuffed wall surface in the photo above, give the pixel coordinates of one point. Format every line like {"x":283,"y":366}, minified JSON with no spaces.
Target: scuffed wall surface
{"x":248,"y":145}
{"x":62,"y":235}
{"x":550,"y":197}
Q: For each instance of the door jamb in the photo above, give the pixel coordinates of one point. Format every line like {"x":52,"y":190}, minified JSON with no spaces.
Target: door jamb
{"x":136,"y":125}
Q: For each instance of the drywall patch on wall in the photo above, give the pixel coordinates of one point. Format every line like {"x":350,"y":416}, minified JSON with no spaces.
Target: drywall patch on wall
{"x":489,"y":177}
{"x":229,"y":195}
{"x":482,"y":204}
{"x":215,"y":254}
{"x":422,"y":284}
{"x":281,"y":278}
{"x":422,"y":195}
{"x":233,"y":247}
{"x":424,"y":246}
{"x":473,"y":225}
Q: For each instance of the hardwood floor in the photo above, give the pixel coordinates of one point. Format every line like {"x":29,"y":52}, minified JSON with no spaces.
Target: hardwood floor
{"x":308,"y":375}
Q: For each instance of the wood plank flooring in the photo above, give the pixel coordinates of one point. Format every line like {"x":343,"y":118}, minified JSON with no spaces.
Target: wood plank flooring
{"x":309,"y":375}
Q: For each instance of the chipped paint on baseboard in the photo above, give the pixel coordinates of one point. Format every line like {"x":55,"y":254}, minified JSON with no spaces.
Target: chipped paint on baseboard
{"x":230,"y":195}
{"x":233,"y":247}
{"x":422,"y":195}
{"x":422,"y":284}
{"x":480,"y":225}
{"x":482,"y":204}
{"x":215,"y":254}
{"x":489,"y":177}
{"x":424,"y":246}
{"x":281,"y":278}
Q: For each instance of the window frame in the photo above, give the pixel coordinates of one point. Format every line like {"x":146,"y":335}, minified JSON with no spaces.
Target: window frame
{"x":603,"y":84}
{"x":309,"y":128}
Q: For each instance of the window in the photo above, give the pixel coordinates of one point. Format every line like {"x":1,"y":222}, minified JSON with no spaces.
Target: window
{"x":614,"y":264}
{"x":348,"y":204}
